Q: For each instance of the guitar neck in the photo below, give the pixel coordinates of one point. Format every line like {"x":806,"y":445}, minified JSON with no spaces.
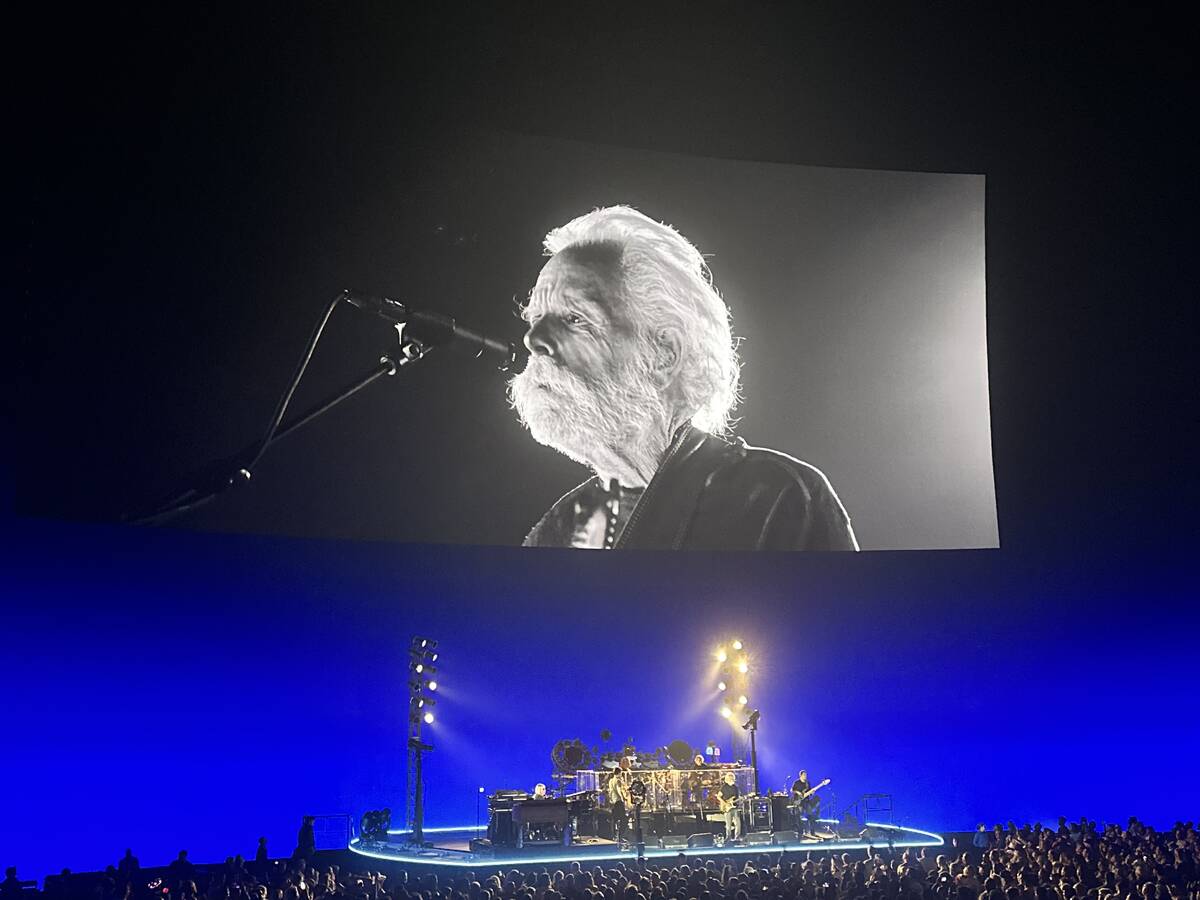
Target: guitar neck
{"x":812,"y":790}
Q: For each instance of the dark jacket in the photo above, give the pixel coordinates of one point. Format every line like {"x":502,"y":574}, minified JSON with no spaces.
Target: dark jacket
{"x":710,"y":494}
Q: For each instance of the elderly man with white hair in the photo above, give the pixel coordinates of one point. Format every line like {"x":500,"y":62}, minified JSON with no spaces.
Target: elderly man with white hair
{"x":633,"y":372}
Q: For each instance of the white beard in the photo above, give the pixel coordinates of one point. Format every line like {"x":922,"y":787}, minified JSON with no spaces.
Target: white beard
{"x":619,"y":426}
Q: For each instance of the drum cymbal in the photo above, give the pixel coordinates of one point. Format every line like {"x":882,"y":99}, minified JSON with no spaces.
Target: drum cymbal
{"x":611,"y":764}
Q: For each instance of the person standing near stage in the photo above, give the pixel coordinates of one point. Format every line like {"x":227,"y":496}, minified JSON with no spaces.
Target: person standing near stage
{"x":617,"y":795}
{"x":728,"y":793}
{"x":695,"y":787}
{"x":806,"y":804}
{"x":306,"y":841}
{"x":127,"y":868}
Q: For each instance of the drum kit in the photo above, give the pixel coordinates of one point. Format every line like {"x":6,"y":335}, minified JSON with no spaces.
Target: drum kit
{"x":671,"y":789}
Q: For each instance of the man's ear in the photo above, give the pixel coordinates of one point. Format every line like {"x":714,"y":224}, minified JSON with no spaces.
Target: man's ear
{"x":669,"y":343}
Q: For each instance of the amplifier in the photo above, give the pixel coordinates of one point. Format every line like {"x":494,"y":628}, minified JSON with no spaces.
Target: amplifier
{"x":786,"y":837}
{"x":700,"y":840}
{"x":672,"y":841}
{"x":760,"y":813}
{"x":758,"y":837}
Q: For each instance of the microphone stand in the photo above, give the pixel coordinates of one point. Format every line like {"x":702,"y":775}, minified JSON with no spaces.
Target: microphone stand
{"x":220,"y":475}
{"x":217,"y":477}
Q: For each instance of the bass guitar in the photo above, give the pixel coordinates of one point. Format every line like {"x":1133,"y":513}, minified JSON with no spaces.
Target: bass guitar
{"x":801,"y":797}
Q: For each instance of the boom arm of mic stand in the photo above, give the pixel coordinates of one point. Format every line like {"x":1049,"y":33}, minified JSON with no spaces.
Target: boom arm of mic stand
{"x":219,"y":476}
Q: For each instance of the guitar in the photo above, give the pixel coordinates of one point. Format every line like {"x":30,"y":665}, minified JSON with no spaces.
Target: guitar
{"x":726,"y":805}
{"x":801,"y":796}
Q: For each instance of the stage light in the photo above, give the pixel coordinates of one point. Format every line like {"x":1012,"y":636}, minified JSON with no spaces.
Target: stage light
{"x":726,"y":712}
{"x":433,"y":658}
{"x":420,"y":668}
{"x":752,"y":721}
{"x":737,"y":645}
{"x":742,"y":700}
{"x":721,"y":685}
{"x":424,"y":643}
{"x":428,"y":718}
{"x":432,"y":685}
{"x":722,"y":655}
{"x":481,"y":790}
{"x":743,"y":667}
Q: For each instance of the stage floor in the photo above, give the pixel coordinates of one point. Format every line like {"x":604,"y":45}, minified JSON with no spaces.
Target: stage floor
{"x":451,"y":847}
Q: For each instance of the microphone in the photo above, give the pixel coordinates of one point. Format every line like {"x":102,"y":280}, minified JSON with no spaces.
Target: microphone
{"x":438,"y":329}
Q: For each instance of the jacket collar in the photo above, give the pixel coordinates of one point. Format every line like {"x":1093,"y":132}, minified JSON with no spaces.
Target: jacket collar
{"x":662,"y":515}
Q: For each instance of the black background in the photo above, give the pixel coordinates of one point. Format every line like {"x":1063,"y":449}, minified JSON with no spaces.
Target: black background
{"x":235,"y":137}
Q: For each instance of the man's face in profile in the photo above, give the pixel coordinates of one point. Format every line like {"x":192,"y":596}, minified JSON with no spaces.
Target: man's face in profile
{"x":588,"y":382}
{"x":576,"y":316}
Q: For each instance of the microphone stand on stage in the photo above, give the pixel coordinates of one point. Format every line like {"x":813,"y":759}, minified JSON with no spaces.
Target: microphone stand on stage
{"x":217,"y":477}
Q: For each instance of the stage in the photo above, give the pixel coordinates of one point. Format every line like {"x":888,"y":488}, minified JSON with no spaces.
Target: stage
{"x":451,"y":847}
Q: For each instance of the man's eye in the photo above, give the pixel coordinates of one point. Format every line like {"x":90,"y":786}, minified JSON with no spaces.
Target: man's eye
{"x":573,"y":318}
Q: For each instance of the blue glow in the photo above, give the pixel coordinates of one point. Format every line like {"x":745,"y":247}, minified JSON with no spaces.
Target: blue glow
{"x":168,"y":690}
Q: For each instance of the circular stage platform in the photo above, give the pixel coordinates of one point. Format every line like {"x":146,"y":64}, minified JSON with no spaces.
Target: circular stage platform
{"x":452,"y":847}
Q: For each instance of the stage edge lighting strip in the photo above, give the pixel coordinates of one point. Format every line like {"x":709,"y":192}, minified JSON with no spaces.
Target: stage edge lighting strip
{"x":464,"y":829}
{"x":426,"y":858}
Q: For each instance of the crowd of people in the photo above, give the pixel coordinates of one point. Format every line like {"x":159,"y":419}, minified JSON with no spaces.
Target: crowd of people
{"x":1075,"y":861}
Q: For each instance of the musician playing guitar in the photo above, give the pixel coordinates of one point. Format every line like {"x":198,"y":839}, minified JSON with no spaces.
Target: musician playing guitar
{"x":727,"y":799}
{"x":807,"y":804}
{"x":617,"y":795}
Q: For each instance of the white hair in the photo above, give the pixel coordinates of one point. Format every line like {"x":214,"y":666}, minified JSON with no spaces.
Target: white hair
{"x":667,"y":286}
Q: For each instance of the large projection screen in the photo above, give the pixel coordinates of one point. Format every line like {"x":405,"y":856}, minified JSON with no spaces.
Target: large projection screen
{"x":856,"y":297}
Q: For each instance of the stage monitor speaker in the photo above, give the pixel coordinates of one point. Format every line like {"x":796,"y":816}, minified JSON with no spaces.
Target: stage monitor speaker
{"x":672,"y":841}
{"x":758,"y":837}
{"x":785,"y":837}
{"x":700,"y":840}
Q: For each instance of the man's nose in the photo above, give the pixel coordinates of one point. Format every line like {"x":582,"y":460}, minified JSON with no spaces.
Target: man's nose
{"x":538,"y":339}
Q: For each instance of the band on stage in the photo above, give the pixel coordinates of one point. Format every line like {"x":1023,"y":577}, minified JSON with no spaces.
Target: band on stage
{"x":622,"y":802}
